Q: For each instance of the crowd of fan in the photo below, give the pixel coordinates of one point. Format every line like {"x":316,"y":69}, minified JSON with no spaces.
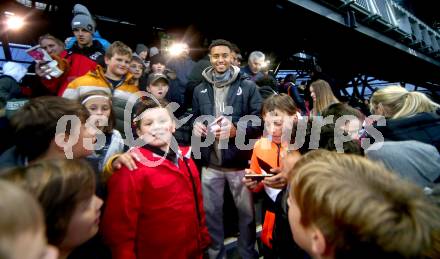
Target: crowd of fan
{"x":334,"y":182}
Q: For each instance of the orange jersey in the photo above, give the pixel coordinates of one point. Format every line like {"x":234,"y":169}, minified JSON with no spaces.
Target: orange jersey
{"x":268,"y":152}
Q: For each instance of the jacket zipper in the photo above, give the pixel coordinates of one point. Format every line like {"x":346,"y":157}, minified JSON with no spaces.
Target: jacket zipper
{"x":196,"y":199}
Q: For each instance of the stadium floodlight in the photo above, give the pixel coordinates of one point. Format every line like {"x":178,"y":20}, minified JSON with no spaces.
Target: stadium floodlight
{"x":9,"y":21}
{"x":12,"y":21}
{"x":177,"y":49}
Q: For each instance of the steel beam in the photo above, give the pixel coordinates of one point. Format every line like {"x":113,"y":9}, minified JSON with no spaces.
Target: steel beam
{"x":339,"y":18}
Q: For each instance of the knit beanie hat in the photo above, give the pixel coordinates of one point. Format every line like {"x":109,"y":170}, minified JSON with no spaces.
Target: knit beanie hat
{"x":157,"y":59}
{"x":82,"y":18}
{"x":140,"y":48}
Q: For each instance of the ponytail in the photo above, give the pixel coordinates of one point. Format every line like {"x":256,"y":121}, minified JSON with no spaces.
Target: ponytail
{"x":399,"y":102}
{"x":415,"y":102}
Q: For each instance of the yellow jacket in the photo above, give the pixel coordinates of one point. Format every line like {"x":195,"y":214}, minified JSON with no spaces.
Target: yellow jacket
{"x":95,"y":80}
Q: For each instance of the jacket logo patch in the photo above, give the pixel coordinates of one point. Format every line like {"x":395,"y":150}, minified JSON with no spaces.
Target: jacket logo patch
{"x":239,"y":91}
{"x":95,"y":56}
{"x":204,"y":91}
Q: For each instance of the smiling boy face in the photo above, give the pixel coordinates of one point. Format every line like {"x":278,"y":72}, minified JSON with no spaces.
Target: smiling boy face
{"x":156,"y":128}
{"x":117,"y":65}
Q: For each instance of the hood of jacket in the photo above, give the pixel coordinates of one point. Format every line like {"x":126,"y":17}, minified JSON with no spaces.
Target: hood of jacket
{"x":14,"y":70}
{"x":208,"y":74}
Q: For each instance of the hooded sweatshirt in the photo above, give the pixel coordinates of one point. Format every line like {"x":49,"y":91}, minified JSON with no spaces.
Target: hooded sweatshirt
{"x":220,"y":84}
{"x":413,"y":160}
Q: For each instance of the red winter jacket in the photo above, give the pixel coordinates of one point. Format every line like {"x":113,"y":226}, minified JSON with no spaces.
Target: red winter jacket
{"x":151,"y":212}
{"x":80,"y":61}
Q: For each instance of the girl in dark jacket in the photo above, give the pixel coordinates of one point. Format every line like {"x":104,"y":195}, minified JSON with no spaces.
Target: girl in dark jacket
{"x":409,"y":115}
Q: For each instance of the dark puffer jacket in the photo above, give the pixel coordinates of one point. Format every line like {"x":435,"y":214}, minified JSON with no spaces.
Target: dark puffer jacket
{"x":423,"y":127}
{"x":245,"y":99}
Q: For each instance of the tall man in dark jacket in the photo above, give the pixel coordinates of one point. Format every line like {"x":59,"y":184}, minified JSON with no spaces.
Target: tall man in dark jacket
{"x":228,"y":96}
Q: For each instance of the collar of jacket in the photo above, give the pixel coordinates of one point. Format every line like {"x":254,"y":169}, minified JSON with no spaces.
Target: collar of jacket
{"x":99,"y":72}
{"x":234,"y":90}
{"x":209,"y":75}
{"x":95,"y":47}
{"x":170,"y":156}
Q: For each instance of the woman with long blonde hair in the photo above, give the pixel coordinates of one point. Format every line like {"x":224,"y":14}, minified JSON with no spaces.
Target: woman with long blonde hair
{"x":395,"y":102}
{"x":322,"y":96}
{"x":409,"y":115}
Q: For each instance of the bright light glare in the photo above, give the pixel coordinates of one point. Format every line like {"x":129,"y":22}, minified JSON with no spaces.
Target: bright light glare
{"x":14,"y":22}
{"x":176,"y":49}
{"x":265,"y":63}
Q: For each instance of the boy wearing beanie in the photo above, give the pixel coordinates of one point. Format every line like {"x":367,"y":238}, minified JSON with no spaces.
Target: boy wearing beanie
{"x":142,"y":51}
{"x":82,"y":57}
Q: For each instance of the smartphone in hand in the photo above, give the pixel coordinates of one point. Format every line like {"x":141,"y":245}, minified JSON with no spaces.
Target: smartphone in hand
{"x":257,"y":177}
{"x":265,"y":171}
{"x":216,"y":124}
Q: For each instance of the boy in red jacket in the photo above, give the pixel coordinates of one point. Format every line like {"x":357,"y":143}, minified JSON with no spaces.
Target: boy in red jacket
{"x":156,"y":211}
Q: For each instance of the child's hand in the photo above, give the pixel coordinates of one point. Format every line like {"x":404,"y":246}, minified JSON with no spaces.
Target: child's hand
{"x":127,"y":159}
{"x":278,"y":181}
{"x":248,"y":182}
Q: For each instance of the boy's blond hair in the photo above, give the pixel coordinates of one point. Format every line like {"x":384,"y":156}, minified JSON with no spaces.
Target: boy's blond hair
{"x":363,"y":210}
{"x":119,"y":48}
{"x":20,"y":214}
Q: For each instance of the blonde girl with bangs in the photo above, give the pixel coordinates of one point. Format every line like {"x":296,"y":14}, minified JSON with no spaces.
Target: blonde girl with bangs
{"x":99,"y":104}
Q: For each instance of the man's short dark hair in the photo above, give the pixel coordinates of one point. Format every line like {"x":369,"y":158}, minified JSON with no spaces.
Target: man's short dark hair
{"x":35,"y":123}
{"x":220,"y":42}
